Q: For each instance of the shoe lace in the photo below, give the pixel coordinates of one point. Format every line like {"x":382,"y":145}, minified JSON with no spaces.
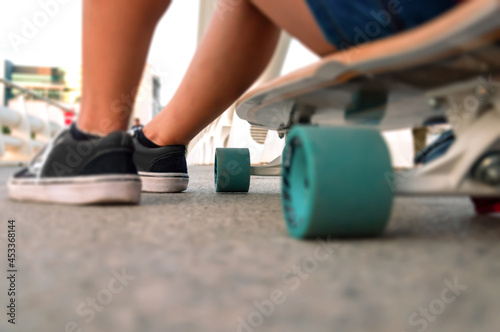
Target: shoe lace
{"x":38,"y":161}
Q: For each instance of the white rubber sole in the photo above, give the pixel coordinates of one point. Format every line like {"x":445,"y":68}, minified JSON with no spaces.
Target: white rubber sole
{"x":164,"y":182}
{"x":78,"y":190}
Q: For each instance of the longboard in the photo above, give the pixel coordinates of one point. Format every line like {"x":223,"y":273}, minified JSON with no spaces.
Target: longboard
{"x":337,"y":176}
{"x":386,"y":83}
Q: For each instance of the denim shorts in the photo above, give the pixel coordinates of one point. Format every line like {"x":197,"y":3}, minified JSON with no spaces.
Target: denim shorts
{"x":347,"y":23}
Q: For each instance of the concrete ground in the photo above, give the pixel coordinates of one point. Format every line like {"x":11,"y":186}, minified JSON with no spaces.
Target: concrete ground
{"x":201,"y":261}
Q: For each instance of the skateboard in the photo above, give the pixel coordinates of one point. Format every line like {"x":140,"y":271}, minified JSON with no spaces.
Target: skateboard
{"x":337,"y":175}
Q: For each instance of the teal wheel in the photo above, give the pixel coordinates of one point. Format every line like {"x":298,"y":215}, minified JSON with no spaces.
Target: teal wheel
{"x":232,"y":170}
{"x":334,"y":182}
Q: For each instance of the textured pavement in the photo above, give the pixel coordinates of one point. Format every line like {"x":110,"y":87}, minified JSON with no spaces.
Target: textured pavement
{"x":201,"y":261}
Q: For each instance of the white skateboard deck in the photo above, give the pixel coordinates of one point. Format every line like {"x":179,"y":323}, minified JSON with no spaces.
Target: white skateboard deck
{"x":390,"y":83}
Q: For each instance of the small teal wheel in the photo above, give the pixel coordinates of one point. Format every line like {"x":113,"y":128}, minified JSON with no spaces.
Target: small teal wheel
{"x":334,"y":182}
{"x":232,"y":170}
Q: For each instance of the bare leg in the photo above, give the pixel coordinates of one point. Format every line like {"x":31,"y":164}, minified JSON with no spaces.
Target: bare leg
{"x":116,"y":38}
{"x":294,"y":17}
{"x":235,"y":50}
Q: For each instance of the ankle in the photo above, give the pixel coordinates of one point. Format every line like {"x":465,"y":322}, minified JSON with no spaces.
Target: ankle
{"x":157,"y":138}
{"x":82,"y":135}
{"x":144,"y":141}
{"x":100,"y":127}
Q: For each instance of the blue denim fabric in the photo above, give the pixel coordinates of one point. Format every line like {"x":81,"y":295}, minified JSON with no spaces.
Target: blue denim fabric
{"x":347,"y":23}
{"x":436,"y":149}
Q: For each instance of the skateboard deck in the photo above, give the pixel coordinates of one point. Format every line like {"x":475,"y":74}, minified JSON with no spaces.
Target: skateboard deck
{"x":388,"y":83}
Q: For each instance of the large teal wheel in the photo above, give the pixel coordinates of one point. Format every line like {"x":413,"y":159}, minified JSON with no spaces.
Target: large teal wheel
{"x":334,"y":182}
{"x":232,"y":170}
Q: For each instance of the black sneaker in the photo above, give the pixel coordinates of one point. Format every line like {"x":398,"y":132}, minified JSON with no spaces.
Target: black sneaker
{"x":162,"y":169}
{"x":66,"y":170}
